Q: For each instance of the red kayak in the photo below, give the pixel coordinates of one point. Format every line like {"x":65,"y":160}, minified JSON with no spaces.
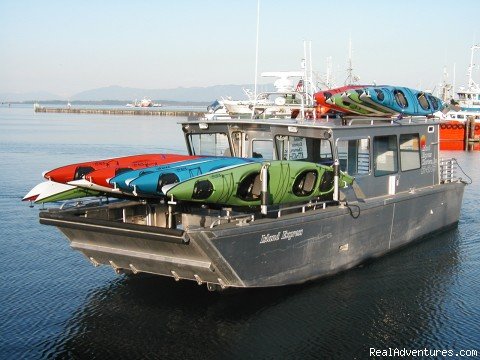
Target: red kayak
{"x":321,"y":98}
{"x":77,"y":171}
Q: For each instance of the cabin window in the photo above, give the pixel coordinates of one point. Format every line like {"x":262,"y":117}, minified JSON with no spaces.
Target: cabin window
{"x":215,"y":144}
{"x":409,"y":151}
{"x":302,"y":148}
{"x":400,"y":98}
{"x":422,"y":100}
{"x":385,"y":155}
{"x":262,"y":149}
{"x":354,"y":156}
{"x":460,"y":116}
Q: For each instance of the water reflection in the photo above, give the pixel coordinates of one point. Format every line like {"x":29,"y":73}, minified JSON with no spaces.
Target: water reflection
{"x":392,"y":302}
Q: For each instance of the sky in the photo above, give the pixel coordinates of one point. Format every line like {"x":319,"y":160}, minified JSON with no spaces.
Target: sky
{"x":65,"y":47}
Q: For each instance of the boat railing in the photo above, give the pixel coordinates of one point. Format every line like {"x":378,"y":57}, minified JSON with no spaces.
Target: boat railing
{"x":283,"y":103}
{"x":244,"y":219}
{"x":392,"y":120}
{"x":448,"y":170}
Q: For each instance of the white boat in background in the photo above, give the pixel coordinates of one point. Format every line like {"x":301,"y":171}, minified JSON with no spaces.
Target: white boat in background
{"x":467,"y":102}
{"x":143,"y":103}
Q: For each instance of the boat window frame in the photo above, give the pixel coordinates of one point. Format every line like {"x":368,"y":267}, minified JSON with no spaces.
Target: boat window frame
{"x":312,"y":156}
{"x":242,"y":143}
{"x":262,"y":139}
{"x":375,"y":157}
{"x":417,"y":151}
{"x":370,"y":156}
{"x":191,"y":148}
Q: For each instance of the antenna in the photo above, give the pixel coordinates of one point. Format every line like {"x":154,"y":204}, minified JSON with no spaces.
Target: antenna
{"x":351,"y":79}
{"x":256,"y":53}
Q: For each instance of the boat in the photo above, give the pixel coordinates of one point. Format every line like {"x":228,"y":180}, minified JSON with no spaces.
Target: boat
{"x":151,"y":182}
{"x":402,"y":191}
{"x":403,"y":100}
{"x":285,"y":181}
{"x":460,"y":129}
{"x":143,"y":103}
{"x":77,"y":171}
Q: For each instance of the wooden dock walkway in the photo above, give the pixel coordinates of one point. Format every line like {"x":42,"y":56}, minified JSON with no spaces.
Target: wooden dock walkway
{"x":143,"y":111}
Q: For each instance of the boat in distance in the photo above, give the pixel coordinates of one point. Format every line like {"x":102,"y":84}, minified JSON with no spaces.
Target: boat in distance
{"x":402,"y":191}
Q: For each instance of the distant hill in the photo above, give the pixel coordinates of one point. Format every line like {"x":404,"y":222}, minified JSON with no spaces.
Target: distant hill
{"x":197,"y":94}
{"x":127,"y":94}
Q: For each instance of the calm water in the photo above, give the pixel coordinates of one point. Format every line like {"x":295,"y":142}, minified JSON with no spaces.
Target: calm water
{"x":54,"y":304}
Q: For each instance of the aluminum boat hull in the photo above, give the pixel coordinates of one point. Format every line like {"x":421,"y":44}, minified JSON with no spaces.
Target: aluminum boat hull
{"x":271,"y":251}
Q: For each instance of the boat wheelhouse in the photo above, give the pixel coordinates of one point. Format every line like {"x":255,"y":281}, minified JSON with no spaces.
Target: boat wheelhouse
{"x":402,"y":191}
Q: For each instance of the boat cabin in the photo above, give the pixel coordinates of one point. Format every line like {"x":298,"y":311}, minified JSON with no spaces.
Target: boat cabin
{"x":385,"y":156}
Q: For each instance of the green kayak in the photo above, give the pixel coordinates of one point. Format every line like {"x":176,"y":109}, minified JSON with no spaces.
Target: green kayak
{"x":344,"y":102}
{"x":62,"y":192}
{"x":288,"y":181}
{"x":353,"y":96}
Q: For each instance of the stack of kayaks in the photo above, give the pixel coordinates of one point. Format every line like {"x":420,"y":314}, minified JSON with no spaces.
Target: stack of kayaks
{"x":226,"y":181}
{"x":58,"y":186}
{"x":377,"y":101}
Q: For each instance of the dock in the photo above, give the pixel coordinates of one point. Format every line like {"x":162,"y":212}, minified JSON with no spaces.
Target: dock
{"x":142,"y":111}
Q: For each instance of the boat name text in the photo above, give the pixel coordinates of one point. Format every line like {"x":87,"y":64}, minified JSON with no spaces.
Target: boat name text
{"x":281,"y":235}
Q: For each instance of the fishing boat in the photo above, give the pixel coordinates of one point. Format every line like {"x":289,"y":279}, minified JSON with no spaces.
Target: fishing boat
{"x":460,"y":129}
{"x":400,"y":190}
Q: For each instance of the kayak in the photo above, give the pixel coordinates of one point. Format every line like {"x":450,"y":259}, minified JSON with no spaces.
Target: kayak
{"x":341,"y":100}
{"x":289,"y":181}
{"x":77,"y":171}
{"x":52,"y":191}
{"x":151,"y":183}
{"x":354,"y":95}
{"x":33,"y":194}
{"x":403,"y":100}
{"x":321,"y":98}
{"x":122,"y":181}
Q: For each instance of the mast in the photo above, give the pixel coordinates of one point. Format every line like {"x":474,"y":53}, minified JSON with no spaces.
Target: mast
{"x":471,"y":83}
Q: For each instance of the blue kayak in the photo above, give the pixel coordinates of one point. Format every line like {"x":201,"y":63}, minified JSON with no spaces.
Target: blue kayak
{"x":122,"y":180}
{"x":403,"y":100}
{"x":151,"y":180}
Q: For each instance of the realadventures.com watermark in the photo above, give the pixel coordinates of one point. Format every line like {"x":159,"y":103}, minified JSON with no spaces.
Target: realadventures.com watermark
{"x":395,"y":352}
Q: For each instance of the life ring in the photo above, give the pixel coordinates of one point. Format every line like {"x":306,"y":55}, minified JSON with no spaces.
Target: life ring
{"x":477,"y":127}
{"x":449,"y":126}
{"x":443,"y":126}
{"x":454,"y":127}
